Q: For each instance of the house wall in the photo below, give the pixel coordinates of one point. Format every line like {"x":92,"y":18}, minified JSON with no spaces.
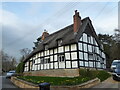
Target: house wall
{"x":50,"y":59}
{"x":54,"y":73}
{"x":90,"y":53}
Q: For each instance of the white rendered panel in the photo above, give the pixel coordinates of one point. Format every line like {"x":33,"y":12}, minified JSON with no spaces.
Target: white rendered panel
{"x":51,"y":58}
{"x":89,"y":39}
{"x":92,"y":40}
{"x":67,"y":48}
{"x":47,"y":52}
{"x":98,"y":50}
{"x":60,"y":49}
{"x":47,"y":66}
{"x":41,"y":66}
{"x":42,"y":54}
{"x":55,"y":51}
{"x":25,"y":69}
{"x":68,"y":64}
{"x":44,"y":66}
{"x":96,"y":42}
{"x":81,"y":63}
{"x":85,"y":56}
{"x":80,"y":46}
{"x":61,"y":64}
{"x":51,"y":51}
{"x":51,"y":65}
{"x":81,"y":55}
{"x":90,"y":64}
{"x":73,"y":47}
{"x":84,"y":37}
{"x":81,"y":38}
{"x":74,"y":64}
{"x":56,"y":65}
{"x":74,"y":55}
{"x":85,"y":47}
{"x":103,"y":55}
{"x":39,"y":54}
{"x":67,"y":56}
{"x":90,"y":48}
{"x":86,"y":64}
{"x":26,"y":64}
{"x":35,"y":67}
{"x":55,"y":57}
{"x":38,"y":60}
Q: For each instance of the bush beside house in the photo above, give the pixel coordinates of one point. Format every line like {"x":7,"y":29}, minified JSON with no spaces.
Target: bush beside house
{"x":20,"y":68}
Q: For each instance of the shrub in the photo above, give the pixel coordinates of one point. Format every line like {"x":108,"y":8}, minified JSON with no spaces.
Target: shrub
{"x":20,"y":68}
{"x":101,"y":74}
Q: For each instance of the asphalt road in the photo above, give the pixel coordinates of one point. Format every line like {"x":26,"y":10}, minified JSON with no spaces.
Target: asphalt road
{"x":109,"y":83}
{"x":6,"y":83}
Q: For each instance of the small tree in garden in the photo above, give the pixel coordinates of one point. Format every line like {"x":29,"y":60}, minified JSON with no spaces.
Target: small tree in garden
{"x":20,"y":68}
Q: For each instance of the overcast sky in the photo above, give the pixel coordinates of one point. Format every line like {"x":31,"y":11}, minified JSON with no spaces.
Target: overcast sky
{"x":23,"y":22}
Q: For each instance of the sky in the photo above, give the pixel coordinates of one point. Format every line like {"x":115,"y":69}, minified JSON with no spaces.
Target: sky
{"x":23,"y":22}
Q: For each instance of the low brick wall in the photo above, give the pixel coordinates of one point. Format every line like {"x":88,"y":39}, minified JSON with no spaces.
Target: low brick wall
{"x":54,"y":73}
{"x":24,"y":84}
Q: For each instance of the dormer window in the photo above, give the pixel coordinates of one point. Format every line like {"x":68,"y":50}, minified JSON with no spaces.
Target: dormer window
{"x":60,"y":42}
{"x":46,"y":47}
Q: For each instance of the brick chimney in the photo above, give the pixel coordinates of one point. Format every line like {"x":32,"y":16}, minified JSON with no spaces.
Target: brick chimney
{"x":77,"y":21}
{"x":44,"y":35}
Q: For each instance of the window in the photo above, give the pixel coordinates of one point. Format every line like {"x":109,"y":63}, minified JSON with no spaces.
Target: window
{"x":47,"y":60}
{"x":46,"y":47}
{"x":90,"y":55}
{"x":59,"y":42}
{"x":42,"y":60}
{"x":61,"y":58}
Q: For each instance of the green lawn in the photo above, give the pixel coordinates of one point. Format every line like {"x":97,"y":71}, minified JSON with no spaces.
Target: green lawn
{"x":85,"y":75}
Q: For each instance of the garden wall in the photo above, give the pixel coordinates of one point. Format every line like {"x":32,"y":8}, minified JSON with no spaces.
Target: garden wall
{"x":27,"y":85}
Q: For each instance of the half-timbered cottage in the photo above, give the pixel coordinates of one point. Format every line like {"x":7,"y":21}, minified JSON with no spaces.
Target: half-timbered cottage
{"x":62,"y":53}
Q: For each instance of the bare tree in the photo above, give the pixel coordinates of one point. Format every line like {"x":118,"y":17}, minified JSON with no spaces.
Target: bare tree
{"x":8,"y":62}
{"x":25,"y":51}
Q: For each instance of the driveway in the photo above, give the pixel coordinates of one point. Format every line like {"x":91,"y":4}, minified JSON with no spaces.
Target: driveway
{"x":109,"y":83}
